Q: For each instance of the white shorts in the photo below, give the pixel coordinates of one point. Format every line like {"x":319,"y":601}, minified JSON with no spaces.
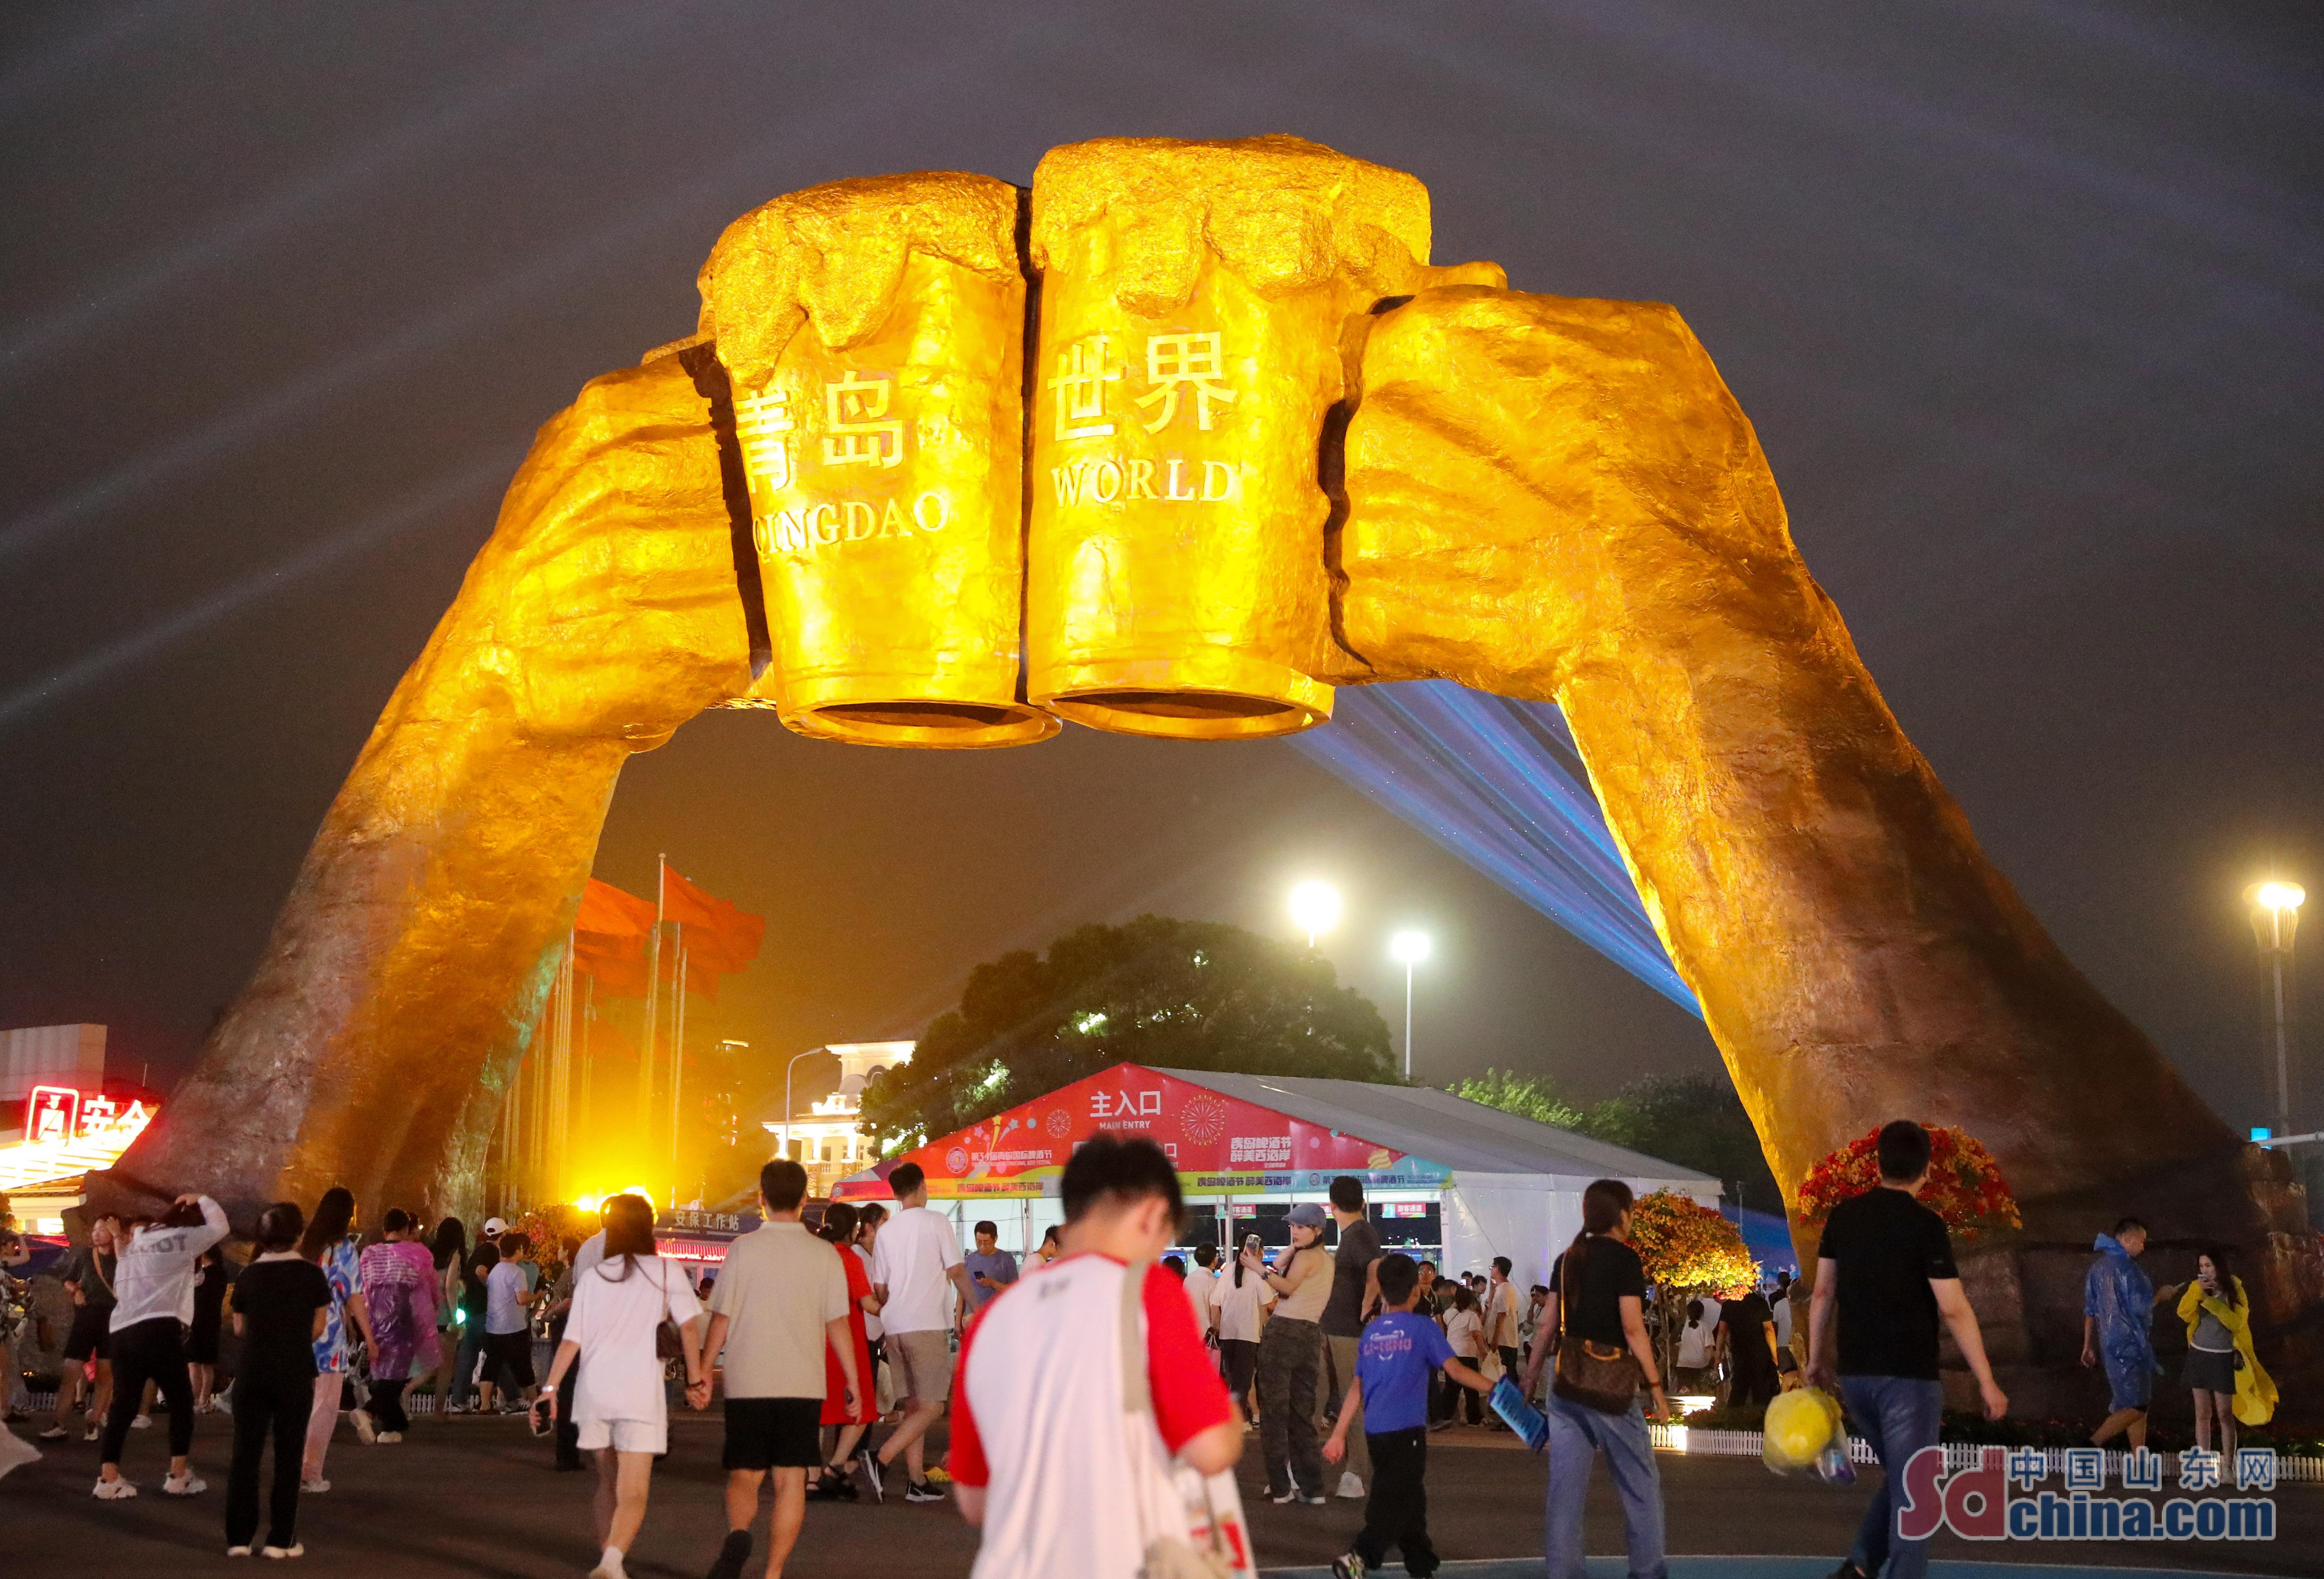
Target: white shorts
{"x":623,"y":1436}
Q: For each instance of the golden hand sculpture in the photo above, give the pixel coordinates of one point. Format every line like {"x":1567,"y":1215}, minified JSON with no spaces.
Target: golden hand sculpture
{"x":1542,"y":497}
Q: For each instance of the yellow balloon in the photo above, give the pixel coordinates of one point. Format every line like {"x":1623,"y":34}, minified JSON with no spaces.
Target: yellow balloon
{"x":1798,"y":1426}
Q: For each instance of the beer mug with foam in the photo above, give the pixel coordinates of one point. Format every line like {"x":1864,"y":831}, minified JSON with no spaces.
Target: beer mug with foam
{"x":1198,"y":305}
{"x":873,"y":333}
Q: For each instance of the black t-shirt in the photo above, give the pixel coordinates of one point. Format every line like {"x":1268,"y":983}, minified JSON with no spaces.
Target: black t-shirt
{"x":1359,"y":1247}
{"x":1888,"y":1246}
{"x":277,"y":1301}
{"x":93,"y":1273}
{"x":472,"y":1282}
{"x":1591,"y":1305}
{"x":209,"y":1294}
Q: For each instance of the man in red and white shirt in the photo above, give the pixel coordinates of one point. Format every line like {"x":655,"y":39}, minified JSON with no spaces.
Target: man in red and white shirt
{"x":1041,"y":1449}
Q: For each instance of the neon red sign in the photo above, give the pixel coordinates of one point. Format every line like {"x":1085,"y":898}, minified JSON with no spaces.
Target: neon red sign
{"x":52,"y":1112}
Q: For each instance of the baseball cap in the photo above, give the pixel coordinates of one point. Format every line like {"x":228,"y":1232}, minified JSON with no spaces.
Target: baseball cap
{"x":494,"y":1227}
{"x":1307,"y":1215}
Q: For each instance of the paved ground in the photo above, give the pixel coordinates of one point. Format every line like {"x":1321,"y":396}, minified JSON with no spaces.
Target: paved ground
{"x":476,"y":1497}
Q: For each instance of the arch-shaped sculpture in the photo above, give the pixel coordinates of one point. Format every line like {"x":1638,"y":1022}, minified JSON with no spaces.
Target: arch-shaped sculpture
{"x":1545,"y":497}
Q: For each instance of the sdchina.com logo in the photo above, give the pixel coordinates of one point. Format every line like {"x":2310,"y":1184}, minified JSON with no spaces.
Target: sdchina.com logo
{"x":1977,"y":1504}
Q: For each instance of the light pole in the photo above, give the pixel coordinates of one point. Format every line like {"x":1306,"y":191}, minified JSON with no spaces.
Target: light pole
{"x":787,"y":1094}
{"x":2275,"y":918}
{"x":1315,"y":908}
{"x":1409,"y":948}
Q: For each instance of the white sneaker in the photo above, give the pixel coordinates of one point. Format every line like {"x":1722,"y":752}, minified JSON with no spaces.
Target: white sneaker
{"x":390,"y":1436}
{"x":140,"y":1422}
{"x":1350,"y":1486}
{"x":237,"y":1551}
{"x":93,"y":1433}
{"x":114,"y":1490}
{"x":185,"y":1485}
{"x":295,"y":1549}
{"x":609,"y":1567}
{"x":366,"y":1431}
{"x":313,"y":1486}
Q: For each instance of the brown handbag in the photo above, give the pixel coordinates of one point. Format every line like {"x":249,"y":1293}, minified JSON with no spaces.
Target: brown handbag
{"x":1590,"y":1375}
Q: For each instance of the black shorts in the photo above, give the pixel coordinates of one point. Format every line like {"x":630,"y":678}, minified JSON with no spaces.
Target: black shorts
{"x":773,"y":1433}
{"x":88,"y":1338}
{"x":512,"y":1353}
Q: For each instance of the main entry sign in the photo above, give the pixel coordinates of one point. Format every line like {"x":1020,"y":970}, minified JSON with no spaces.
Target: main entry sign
{"x":1220,"y":1143}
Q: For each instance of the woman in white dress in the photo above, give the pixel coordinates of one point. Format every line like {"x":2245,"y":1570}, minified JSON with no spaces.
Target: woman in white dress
{"x":619,"y":1405}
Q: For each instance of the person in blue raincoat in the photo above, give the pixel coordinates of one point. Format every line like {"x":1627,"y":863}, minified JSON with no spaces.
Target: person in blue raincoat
{"x":2118,"y":1301}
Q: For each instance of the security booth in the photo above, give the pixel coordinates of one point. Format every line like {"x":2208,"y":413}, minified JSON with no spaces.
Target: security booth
{"x":1445,"y":1179}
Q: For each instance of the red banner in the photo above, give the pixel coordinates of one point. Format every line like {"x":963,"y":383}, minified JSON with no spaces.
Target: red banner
{"x":1218,"y":1142}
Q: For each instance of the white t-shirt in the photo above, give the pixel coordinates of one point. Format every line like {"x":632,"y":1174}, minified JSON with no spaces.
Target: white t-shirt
{"x":917,"y":1248}
{"x":1501,"y":1314}
{"x":1238,"y":1309}
{"x":1464,"y":1330}
{"x":1696,"y":1342}
{"x":614,"y":1320}
{"x":1199,"y":1280}
{"x":505,"y":1291}
{"x":1783,"y":1304}
{"x":1038,"y":1420}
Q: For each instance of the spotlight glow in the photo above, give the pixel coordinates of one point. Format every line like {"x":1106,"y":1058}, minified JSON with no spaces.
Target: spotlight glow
{"x":2279,"y":896}
{"x":1315,"y":908}
{"x":1409,"y":947}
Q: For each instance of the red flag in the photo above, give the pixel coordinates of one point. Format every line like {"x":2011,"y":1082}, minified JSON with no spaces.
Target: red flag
{"x":610,"y":910}
{"x":609,"y":939}
{"x":719,"y":935}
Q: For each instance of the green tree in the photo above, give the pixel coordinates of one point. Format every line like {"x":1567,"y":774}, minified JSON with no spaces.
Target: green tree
{"x":1160,"y":992}
{"x":1695,"y":1120}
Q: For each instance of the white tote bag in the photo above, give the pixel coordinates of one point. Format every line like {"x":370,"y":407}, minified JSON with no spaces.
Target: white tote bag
{"x":1190,"y":1525}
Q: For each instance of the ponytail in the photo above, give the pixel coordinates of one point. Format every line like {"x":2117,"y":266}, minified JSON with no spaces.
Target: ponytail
{"x":1603,"y":1206}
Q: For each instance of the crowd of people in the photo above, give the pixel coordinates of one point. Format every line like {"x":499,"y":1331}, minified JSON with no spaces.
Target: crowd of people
{"x":1086,"y":1389}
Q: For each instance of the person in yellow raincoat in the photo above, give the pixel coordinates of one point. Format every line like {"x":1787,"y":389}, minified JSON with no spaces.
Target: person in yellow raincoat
{"x":2222,"y":1370}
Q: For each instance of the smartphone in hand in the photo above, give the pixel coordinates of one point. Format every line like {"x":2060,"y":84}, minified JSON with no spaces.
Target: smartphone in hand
{"x":541,"y":1416}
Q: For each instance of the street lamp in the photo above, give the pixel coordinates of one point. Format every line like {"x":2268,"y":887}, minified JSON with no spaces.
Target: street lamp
{"x":1410,"y":948}
{"x":2275,"y":918}
{"x":1316,"y":907}
{"x":787,"y":1094}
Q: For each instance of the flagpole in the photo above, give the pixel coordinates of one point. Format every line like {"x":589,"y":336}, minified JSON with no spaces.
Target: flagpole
{"x":676,"y":1065}
{"x":653,"y":997}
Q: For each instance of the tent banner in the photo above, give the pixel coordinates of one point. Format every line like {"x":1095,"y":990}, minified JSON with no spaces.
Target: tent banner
{"x":1219,"y":1143}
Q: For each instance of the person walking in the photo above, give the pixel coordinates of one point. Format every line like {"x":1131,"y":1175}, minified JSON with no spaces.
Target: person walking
{"x":281,"y":1302}
{"x":2118,"y":1301}
{"x":991,"y":1268}
{"x":1596,"y":1318}
{"x":448,"y":1250}
{"x":1355,"y":1294}
{"x":1401,"y":1352}
{"x":566,"y":1455}
{"x":212,"y":1277}
{"x":1291,"y":1358}
{"x":1697,"y":1347}
{"x":153,"y":1305}
{"x":779,"y":1314}
{"x":473,"y":1301}
{"x":916,"y":1256}
{"x":399,"y":1284}
{"x":849,"y":1412}
{"x":1501,"y":1315}
{"x":619,"y":1404}
{"x":508,"y":1325}
{"x":1747,"y":1342}
{"x":1465,"y":1334}
{"x":1239,"y":1299}
{"x":2223,"y":1370}
{"x":1885,"y":1278}
{"x":869,"y":1217}
{"x":87,"y":1276}
{"x":330,"y":1242}
{"x":1061,"y":1438}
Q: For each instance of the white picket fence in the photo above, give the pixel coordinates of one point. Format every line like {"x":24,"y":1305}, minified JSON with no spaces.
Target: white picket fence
{"x":1958,"y":1455}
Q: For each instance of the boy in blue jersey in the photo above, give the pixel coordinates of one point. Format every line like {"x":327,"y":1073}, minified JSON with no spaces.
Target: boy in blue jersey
{"x":1396,"y":1358}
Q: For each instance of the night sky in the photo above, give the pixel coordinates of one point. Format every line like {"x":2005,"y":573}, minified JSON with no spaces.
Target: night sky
{"x":2023,"y":297}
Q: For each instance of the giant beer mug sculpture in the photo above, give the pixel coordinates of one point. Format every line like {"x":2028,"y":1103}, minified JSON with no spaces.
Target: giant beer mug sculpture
{"x":1199,"y":303}
{"x":873,"y":332}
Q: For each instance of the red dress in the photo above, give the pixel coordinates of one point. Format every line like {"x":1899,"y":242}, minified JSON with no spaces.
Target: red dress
{"x":834,"y":1381}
